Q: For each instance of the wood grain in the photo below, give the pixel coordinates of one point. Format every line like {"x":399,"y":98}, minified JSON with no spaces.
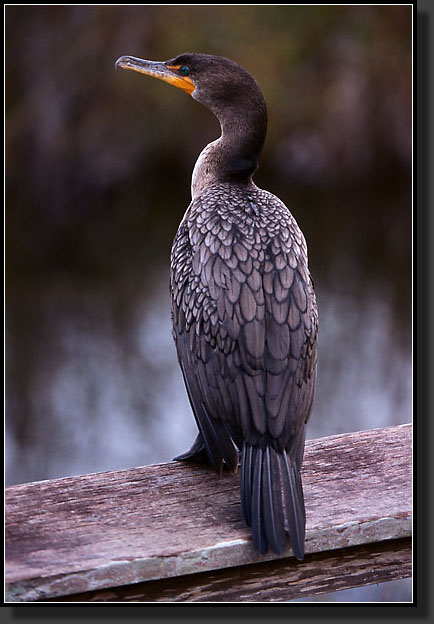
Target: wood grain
{"x":80,"y":534}
{"x":272,"y":581}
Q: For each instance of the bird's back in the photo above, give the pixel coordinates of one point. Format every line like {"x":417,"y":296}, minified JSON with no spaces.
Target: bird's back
{"x":245,"y":326}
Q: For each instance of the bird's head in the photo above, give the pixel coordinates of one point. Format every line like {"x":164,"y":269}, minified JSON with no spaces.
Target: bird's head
{"x":215,"y":81}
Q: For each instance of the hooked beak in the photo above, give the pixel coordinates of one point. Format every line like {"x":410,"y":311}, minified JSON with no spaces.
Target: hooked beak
{"x":159,"y":70}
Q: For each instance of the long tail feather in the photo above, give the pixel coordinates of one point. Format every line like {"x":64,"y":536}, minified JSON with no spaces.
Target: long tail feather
{"x":296,"y":516}
{"x":274,"y":517}
{"x":257,"y":514}
{"x":272,"y":499}
{"x":246,"y":482}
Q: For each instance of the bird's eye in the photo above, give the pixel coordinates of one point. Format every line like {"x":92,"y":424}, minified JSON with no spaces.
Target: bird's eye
{"x":184,"y":70}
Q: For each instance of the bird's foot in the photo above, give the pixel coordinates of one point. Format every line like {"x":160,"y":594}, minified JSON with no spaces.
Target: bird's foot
{"x":197,"y":453}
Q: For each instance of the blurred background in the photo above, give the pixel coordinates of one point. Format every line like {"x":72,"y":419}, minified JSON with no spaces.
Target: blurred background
{"x":98,"y":168}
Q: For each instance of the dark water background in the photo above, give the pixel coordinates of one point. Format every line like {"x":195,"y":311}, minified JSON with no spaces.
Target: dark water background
{"x":98,"y":166}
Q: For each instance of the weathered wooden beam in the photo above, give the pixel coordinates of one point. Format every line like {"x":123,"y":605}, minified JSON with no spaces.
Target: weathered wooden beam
{"x":101,"y":531}
{"x":281,"y":580}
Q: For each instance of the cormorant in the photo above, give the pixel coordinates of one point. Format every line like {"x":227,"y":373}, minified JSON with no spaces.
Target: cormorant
{"x":243,"y":306}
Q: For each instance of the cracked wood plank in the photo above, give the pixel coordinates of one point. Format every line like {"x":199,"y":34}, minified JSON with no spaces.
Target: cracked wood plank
{"x":99,"y":531}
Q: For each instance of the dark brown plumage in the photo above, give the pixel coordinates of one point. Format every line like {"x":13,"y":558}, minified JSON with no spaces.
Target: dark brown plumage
{"x":243,"y":307}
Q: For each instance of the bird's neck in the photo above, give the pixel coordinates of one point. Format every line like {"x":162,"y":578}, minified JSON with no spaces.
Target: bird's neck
{"x":234,"y":156}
